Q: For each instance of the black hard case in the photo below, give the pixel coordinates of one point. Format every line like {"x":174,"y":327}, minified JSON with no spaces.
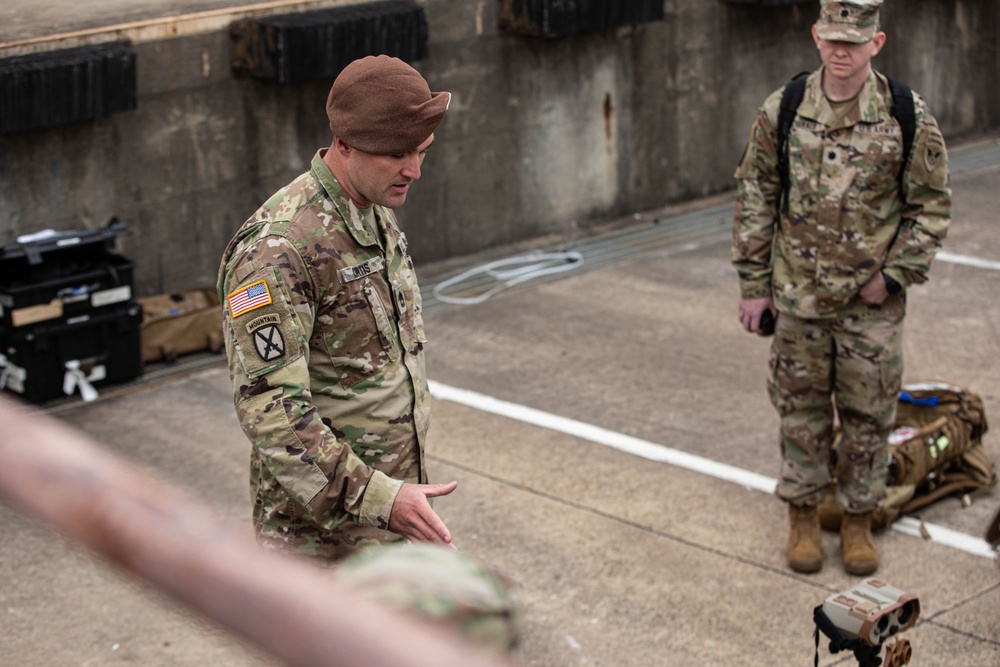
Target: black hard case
{"x":37,"y":354}
{"x":67,"y":296}
{"x":63,"y":276}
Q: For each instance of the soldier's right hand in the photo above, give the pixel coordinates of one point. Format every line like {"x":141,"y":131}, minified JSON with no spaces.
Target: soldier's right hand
{"x":413,"y":518}
{"x":751,"y":311}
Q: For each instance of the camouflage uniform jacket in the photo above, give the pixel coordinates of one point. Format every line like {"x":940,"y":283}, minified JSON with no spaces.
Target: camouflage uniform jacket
{"x":845,"y":218}
{"x":324,"y":335}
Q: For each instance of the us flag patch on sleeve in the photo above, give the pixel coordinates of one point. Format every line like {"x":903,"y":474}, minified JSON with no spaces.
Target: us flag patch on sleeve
{"x":250,"y":297}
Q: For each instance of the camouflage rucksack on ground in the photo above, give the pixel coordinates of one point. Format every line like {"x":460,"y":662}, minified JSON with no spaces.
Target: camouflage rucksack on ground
{"x":935,"y":449}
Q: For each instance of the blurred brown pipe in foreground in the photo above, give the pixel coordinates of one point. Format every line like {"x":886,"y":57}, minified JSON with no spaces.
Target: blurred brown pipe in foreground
{"x":284,"y":607}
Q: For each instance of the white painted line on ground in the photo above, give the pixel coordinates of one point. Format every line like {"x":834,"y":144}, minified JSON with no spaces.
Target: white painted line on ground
{"x":967,"y":261}
{"x":664,"y":454}
{"x":601,"y":436}
{"x":947,"y":536}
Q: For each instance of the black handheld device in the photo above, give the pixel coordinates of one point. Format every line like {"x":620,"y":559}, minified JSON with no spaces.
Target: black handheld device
{"x":767,"y":323}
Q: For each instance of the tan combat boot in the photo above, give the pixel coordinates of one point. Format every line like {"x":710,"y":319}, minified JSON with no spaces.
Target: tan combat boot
{"x":830,"y":514}
{"x":805,"y":553}
{"x":860,"y":554}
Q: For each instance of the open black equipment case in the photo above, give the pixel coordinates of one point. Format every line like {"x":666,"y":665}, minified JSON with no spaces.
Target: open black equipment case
{"x":68,"y":321}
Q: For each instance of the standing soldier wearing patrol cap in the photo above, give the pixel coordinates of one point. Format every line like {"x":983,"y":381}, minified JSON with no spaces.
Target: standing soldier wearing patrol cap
{"x":324,"y":331}
{"x":830,"y":253}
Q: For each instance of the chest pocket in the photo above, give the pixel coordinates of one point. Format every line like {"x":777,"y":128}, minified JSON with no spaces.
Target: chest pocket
{"x":362,"y":336}
{"x":878,"y":171}
{"x":411,"y":311}
{"x":805,"y":161}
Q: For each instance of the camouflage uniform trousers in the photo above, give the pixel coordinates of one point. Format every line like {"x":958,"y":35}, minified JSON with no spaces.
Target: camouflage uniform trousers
{"x":847,"y":368}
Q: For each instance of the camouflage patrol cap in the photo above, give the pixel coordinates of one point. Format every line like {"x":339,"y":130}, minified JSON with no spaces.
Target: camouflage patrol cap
{"x":853,"y":21}
{"x":444,"y":586}
{"x":381,"y":105}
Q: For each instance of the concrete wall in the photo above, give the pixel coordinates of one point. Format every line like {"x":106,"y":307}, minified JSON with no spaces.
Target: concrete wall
{"x":542,"y":136}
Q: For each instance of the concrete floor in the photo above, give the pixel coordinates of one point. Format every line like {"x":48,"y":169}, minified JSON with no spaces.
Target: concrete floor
{"x":622,"y":560}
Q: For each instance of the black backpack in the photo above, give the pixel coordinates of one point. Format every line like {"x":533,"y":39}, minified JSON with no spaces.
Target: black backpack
{"x":791,"y":98}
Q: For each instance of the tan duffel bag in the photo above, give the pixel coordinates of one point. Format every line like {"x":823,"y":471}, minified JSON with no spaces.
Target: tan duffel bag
{"x":180,"y":323}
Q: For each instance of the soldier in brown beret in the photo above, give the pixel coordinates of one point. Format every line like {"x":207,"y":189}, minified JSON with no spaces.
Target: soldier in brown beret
{"x":381,"y":111}
{"x":324,"y":331}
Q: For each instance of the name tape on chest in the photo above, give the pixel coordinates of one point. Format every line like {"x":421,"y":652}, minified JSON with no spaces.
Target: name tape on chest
{"x":879,"y":130}
{"x":249,"y":298}
{"x":809,"y":125}
{"x":362,"y":270}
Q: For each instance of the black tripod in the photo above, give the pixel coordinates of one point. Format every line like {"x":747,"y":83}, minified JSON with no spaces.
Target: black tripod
{"x":867,"y":655}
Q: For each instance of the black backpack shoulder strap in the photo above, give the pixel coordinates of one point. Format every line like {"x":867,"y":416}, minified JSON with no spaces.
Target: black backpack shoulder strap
{"x":903,"y":111}
{"x":791,"y":98}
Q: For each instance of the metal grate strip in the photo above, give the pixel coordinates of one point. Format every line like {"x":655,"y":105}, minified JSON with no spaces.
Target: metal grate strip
{"x":679,"y":233}
{"x":974,"y":157}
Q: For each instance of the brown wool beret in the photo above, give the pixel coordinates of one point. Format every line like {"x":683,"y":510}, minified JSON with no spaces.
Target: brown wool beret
{"x":381,"y":105}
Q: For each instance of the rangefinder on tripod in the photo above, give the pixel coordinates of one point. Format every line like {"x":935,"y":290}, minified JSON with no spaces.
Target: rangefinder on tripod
{"x":862,"y":618}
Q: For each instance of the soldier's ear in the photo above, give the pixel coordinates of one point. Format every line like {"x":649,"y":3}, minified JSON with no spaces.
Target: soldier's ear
{"x":878,"y":41}
{"x":339,"y":146}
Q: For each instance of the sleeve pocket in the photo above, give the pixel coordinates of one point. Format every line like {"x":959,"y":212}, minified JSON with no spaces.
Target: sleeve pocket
{"x":266,"y":333}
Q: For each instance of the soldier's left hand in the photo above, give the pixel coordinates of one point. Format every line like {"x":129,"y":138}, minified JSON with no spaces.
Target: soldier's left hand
{"x":414,"y":518}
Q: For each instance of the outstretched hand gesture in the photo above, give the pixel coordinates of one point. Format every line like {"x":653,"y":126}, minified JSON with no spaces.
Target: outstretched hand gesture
{"x":412,"y":516}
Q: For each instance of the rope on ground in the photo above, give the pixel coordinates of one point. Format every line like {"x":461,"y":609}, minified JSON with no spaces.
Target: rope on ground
{"x":521,"y":269}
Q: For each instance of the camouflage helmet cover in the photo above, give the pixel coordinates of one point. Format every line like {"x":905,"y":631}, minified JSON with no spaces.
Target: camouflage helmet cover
{"x":441,"y":585}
